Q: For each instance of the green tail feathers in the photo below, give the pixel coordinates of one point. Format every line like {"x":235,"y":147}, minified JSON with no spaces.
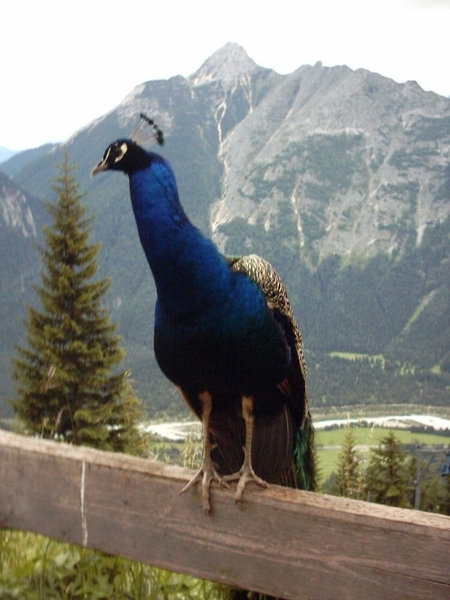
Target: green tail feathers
{"x":304,"y":457}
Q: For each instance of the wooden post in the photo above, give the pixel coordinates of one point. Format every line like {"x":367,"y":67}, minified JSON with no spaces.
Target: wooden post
{"x":279,"y":541}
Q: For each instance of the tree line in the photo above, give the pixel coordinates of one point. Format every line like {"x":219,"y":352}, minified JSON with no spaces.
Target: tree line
{"x":392,"y":476}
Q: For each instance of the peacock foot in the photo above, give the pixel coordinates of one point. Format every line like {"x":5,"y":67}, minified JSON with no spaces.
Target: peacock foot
{"x":206,"y":474}
{"x":243,"y":476}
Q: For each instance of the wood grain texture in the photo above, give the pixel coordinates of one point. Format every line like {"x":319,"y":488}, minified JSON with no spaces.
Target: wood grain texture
{"x":280,"y":541}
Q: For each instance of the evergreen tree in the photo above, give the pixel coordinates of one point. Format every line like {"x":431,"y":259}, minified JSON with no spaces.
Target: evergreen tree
{"x":66,"y":387}
{"x":348,"y":479}
{"x":446,"y":503}
{"x":388,"y":478}
{"x":434,"y":494}
{"x":433,"y":488}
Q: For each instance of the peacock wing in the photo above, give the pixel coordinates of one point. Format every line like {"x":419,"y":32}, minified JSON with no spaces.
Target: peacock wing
{"x":294,"y":385}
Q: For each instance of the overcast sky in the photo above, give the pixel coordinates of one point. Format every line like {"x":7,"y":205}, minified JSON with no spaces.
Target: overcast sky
{"x":66,"y":63}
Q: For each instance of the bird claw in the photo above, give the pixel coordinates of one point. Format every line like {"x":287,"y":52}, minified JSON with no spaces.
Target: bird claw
{"x":206,"y":474}
{"x":243,"y":476}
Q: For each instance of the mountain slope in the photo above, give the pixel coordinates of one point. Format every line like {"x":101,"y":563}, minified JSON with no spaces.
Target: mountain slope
{"x":19,"y":224}
{"x":345,"y":153}
{"x":341,"y":178}
{"x":5,"y":154}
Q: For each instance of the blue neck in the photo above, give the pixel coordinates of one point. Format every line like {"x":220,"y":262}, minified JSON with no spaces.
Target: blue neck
{"x":189,"y":271}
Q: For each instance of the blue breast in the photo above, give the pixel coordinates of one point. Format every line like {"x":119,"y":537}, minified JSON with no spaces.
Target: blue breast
{"x":213,"y":329}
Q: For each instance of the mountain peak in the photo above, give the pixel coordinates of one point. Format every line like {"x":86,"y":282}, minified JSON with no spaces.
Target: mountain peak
{"x":226,"y":65}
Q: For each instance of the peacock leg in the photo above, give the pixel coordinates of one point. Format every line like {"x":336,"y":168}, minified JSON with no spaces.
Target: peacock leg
{"x":207,"y":472}
{"x":246,"y":472}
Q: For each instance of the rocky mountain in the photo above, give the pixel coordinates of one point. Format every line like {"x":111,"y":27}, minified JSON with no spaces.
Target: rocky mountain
{"x":19,"y":160}
{"x":341,"y":178}
{"x":19,"y":225}
{"x":16,"y":215}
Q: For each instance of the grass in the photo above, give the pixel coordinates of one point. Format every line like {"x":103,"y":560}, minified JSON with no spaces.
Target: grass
{"x":33,"y":567}
{"x":356,"y":356}
{"x":363,"y":411}
{"x":423,"y":304}
{"x":371,"y":436}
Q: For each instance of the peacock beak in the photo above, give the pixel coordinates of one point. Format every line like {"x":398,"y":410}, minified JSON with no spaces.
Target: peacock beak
{"x":102,"y":166}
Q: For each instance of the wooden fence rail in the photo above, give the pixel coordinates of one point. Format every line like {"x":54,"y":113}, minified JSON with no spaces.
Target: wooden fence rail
{"x":279,"y":541}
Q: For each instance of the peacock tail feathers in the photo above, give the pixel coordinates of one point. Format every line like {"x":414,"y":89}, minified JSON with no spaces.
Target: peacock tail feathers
{"x":304,"y":458}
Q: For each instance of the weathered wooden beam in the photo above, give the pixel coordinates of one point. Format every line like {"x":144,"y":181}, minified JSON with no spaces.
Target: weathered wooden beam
{"x":279,"y":541}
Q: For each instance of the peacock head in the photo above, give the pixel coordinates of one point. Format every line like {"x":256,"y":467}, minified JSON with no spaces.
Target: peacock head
{"x":127,"y":155}
{"x":119,"y":156}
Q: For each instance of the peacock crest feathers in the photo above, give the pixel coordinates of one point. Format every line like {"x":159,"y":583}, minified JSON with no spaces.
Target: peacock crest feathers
{"x":147,"y":131}
{"x":128,"y":154}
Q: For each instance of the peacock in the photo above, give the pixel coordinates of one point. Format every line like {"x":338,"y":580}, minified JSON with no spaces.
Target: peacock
{"x":224,"y":334}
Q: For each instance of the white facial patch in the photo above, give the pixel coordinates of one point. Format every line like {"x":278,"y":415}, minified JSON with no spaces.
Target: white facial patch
{"x":123,"y":149}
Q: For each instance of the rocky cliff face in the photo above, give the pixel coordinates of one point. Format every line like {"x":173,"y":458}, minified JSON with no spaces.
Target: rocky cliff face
{"x":357,"y":161}
{"x":19,"y":265}
{"x":16,"y":214}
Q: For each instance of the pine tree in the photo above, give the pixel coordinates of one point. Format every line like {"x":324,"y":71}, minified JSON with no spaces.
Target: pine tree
{"x":432,"y":489}
{"x":446,"y":503}
{"x":434,"y":493}
{"x":348,"y":479}
{"x":66,"y":385}
{"x":388,"y":479}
